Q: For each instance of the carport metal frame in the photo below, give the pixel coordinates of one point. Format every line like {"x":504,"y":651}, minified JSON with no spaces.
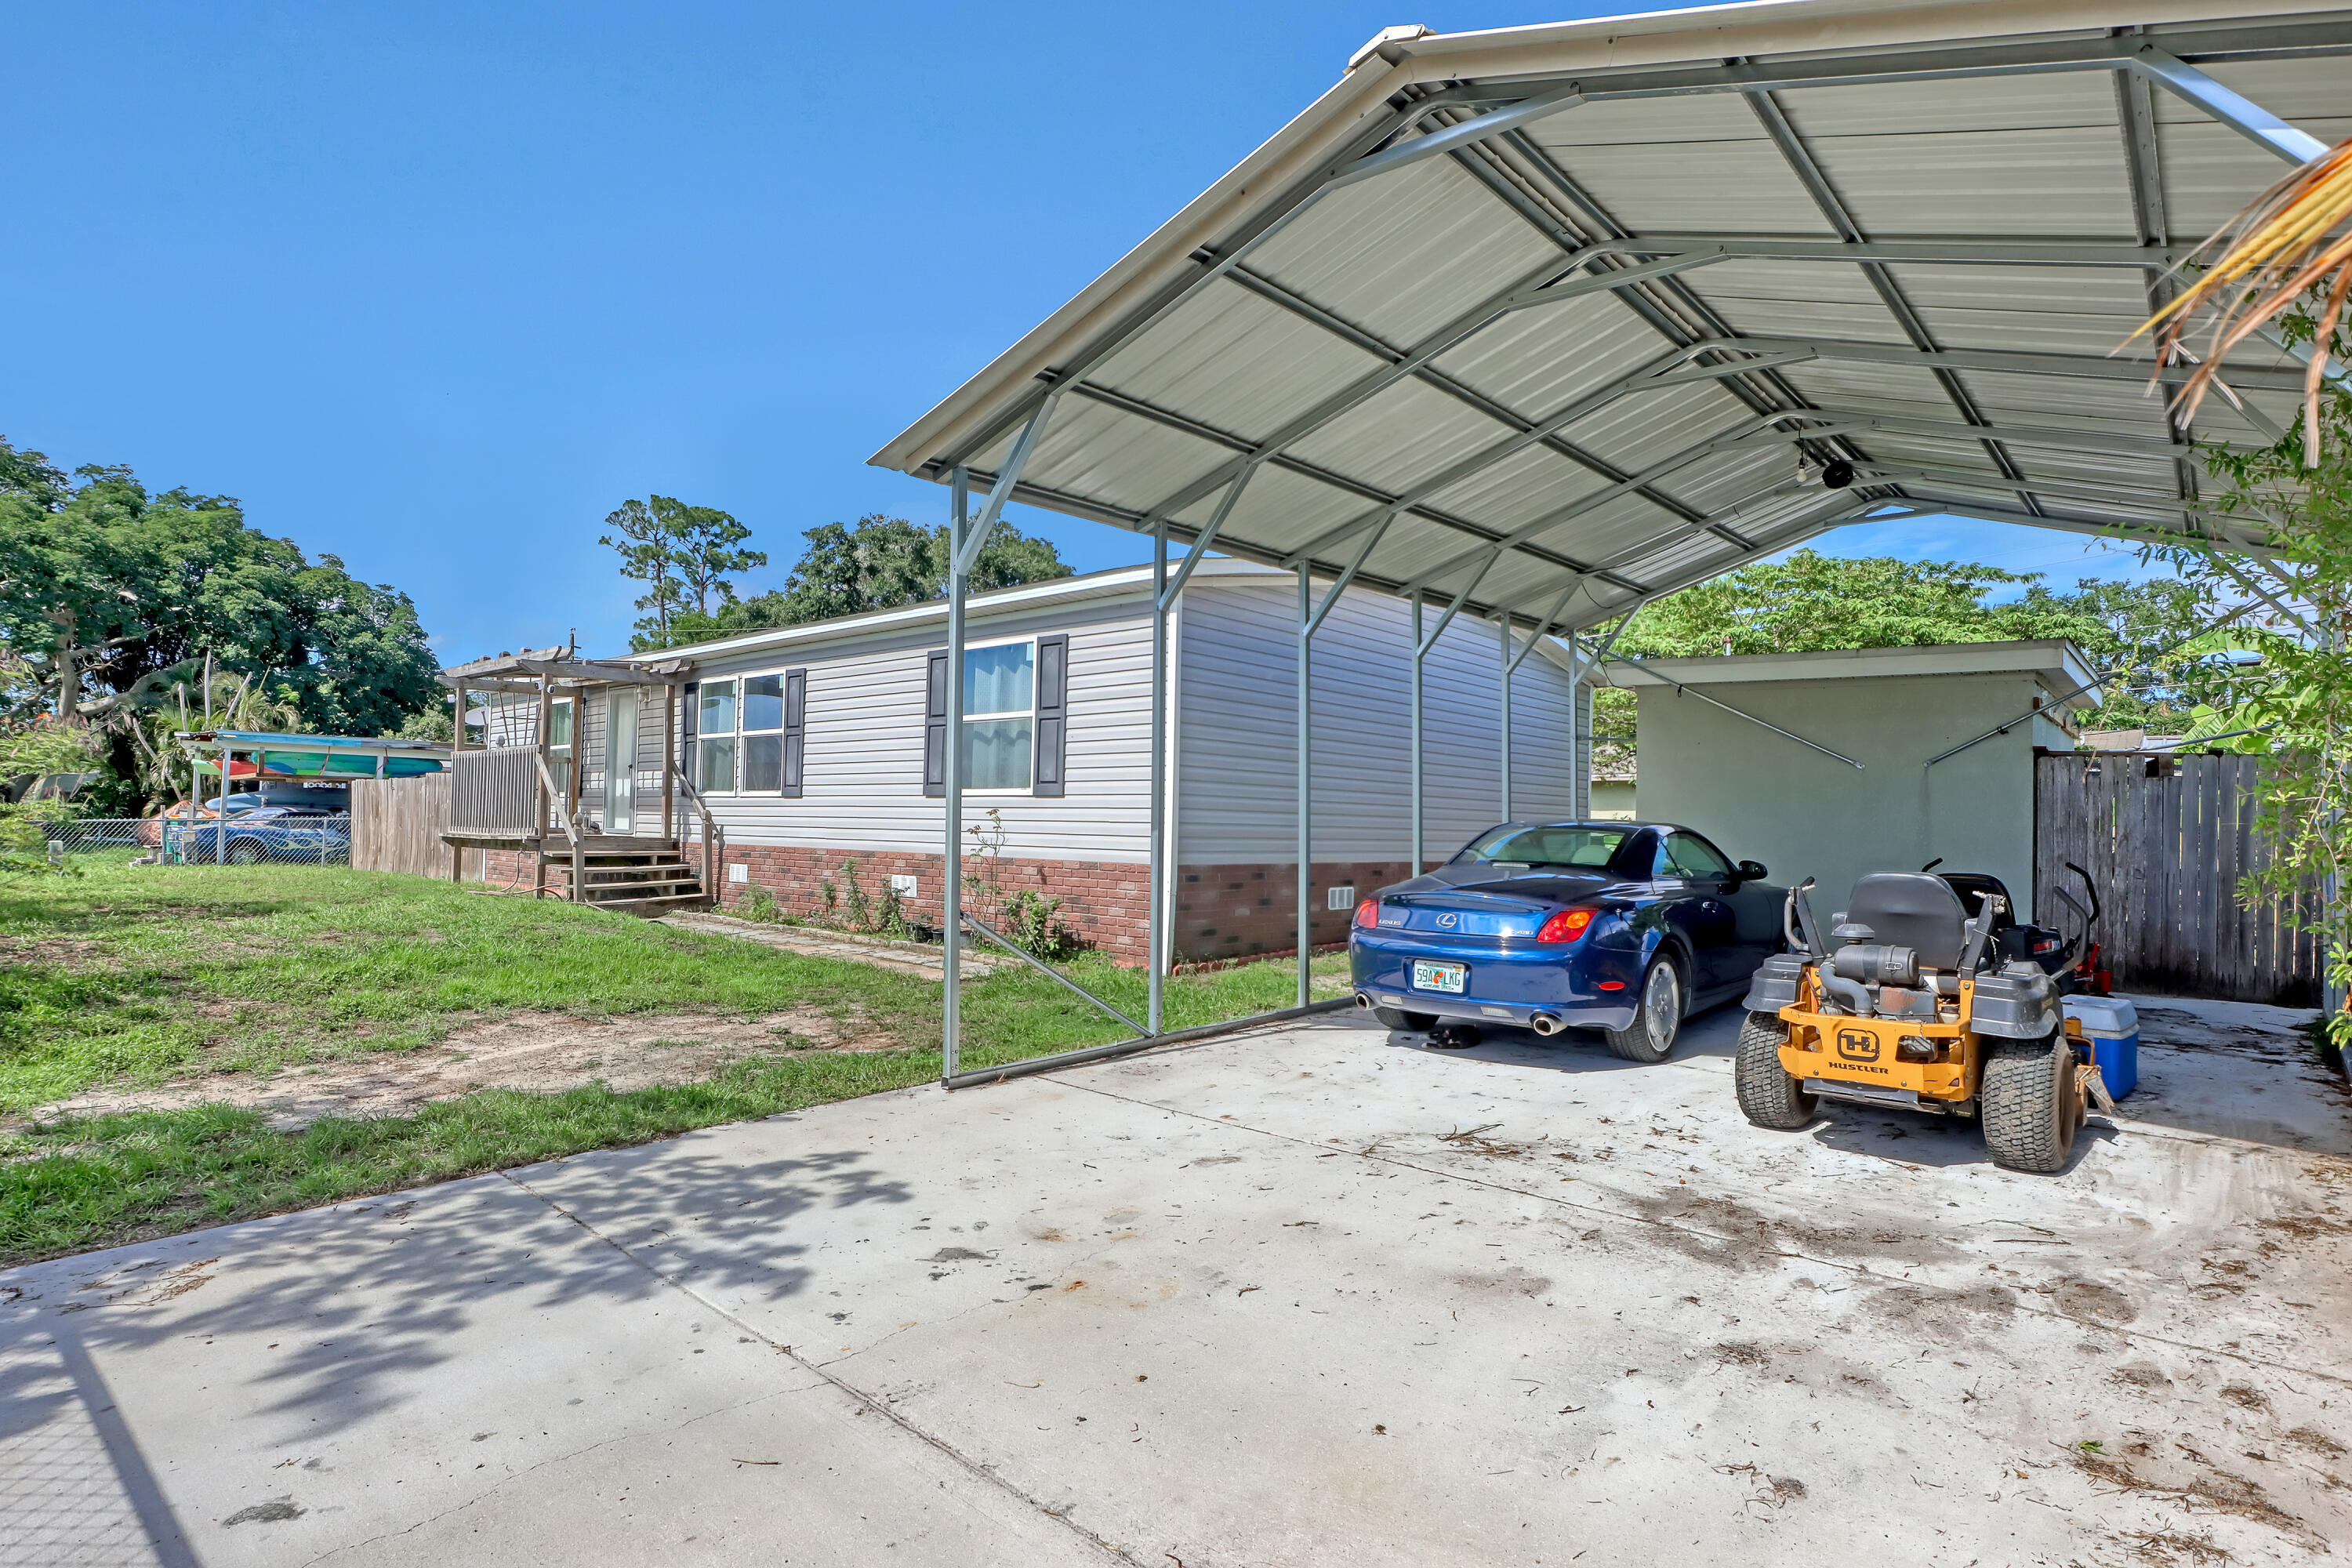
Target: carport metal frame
{"x":1417,"y":126}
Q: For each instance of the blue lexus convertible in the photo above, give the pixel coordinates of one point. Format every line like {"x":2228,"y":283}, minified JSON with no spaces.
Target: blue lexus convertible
{"x":1628,"y":927}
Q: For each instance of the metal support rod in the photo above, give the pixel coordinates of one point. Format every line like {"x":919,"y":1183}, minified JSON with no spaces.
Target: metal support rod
{"x":951,"y":771}
{"x":1155,"y":880}
{"x":974,"y":536}
{"x":2094,"y":684}
{"x":2259,"y":592}
{"x":1544,"y":626}
{"x":1413,"y":860}
{"x":2248,"y":119}
{"x":1306,"y":771}
{"x":1687,"y":690}
{"x":1508,"y":664}
{"x":1042,"y":967}
{"x":1084,"y":1054}
{"x":220,"y":823}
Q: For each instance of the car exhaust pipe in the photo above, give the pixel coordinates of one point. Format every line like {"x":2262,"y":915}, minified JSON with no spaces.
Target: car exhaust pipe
{"x":1546,"y":1024}
{"x":1364,"y":1000}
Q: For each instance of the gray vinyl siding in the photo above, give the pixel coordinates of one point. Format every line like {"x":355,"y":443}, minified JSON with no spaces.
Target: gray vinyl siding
{"x":862,"y":767}
{"x":1238,"y":716}
{"x":1233,"y":719}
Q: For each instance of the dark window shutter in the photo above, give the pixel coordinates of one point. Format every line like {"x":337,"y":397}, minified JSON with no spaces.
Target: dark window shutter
{"x":691,"y":703}
{"x":1053,"y":723}
{"x":795,"y":726}
{"x":935,"y":727}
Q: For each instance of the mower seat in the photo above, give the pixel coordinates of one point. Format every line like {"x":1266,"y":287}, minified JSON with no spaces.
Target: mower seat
{"x":1913,"y":910}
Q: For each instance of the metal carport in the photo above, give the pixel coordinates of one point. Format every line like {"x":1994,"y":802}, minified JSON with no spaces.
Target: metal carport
{"x":1540,"y":323}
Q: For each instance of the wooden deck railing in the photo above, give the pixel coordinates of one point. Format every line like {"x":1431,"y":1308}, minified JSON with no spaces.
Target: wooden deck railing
{"x":714,"y":844}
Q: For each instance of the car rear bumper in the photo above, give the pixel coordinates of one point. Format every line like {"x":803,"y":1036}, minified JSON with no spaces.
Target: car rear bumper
{"x":1505,"y":984}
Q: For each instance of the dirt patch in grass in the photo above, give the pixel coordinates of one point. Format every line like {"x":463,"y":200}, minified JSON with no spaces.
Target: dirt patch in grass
{"x":537,"y":1052}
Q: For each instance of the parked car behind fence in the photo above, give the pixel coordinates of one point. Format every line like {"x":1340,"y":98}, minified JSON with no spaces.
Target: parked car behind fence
{"x":269,"y":835}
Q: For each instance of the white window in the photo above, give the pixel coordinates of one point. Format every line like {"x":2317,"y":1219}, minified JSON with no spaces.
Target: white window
{"x":763,"y":751}
{"x":747,"y":734}
{"x":714,"y":727}
{"x":1000,"y":715}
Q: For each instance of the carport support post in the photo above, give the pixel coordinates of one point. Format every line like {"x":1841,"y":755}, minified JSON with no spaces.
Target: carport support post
{"x":220,"y":824}
{"x":1414,"y":745}
{"x":951,"y":779}
{"x":1504,"y":706}
{"x":1306,"y":771}
{"x":1156,"y":878}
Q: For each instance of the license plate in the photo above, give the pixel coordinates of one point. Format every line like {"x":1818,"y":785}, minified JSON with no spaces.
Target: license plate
{"x":1440,"y":976}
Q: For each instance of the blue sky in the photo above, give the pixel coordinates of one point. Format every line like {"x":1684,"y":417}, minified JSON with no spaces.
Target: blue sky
{"x":434,"y":287}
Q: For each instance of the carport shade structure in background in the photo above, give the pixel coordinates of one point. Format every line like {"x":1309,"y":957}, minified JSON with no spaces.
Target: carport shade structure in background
{"x":1548,"y":322}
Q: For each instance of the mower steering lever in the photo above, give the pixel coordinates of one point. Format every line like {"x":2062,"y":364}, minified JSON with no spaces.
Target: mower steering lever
{"x":1806,"y":934}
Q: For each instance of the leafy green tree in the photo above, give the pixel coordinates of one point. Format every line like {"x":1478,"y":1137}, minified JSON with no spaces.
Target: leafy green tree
{"x":1812,"y":602}
{"x":683,"y":554}
{"x":111,"y":598}
{"x":874,"y":565}
{"x":645,"y":555}
{"x":29,"y":751}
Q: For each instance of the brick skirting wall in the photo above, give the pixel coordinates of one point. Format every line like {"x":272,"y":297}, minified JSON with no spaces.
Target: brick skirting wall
{"x":1233,"y":911}
{"x":1221,"y":911}
{"x":1105,"y":902}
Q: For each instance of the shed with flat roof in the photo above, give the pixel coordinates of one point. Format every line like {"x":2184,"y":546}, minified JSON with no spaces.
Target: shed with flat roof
{"x":1805,"y":813}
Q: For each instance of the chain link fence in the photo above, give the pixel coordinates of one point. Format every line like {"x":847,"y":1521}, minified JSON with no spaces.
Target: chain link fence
{"x":262,"y":837}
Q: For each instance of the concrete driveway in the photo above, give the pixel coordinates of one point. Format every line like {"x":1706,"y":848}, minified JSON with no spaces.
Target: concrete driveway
{"x":1309,"y":1295}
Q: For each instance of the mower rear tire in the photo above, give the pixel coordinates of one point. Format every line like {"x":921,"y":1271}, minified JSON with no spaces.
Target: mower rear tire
{"x":2028,"y":1104}
{"x":1768,"y":1096}
{"x":1413,"y":1023}
{"x":1657,"y":1016}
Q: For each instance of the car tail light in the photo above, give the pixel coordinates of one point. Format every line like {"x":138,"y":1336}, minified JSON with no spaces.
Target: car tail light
{"x":1565,"y":926}
{"x":1367,"y":913}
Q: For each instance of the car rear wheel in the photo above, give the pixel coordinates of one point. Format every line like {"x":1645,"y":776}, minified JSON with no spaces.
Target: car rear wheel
{"x":1657,"y":1018}
{"x":1397,"y":1018}
{"x":2029,"y":1103}
{"x":1768,"y":1096}
{"x":243,"y":852}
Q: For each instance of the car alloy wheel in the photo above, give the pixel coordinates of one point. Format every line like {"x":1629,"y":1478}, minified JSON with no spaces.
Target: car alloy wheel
{"x":1662,"y":1004}
{"x":1649,"y":1036}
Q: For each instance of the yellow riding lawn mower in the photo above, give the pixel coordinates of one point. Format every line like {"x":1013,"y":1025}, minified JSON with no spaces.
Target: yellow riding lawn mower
{"x":1910,"y":1006}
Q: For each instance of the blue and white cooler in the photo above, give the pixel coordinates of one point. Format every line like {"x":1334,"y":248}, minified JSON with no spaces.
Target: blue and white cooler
{"x":2111,"y":1028}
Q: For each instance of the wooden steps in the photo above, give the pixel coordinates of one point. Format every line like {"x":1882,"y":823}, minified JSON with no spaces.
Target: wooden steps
{"x":641,"y":876}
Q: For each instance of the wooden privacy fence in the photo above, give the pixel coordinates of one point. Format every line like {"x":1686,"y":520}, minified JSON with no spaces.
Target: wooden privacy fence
{"x":397,"y":824}
{"x":2166,"y":841}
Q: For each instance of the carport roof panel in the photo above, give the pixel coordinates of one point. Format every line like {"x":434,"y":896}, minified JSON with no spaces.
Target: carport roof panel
{"x":1509,"y":292}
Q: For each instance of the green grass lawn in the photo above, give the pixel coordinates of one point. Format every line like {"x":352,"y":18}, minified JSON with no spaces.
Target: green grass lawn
{"x":139,"y":975}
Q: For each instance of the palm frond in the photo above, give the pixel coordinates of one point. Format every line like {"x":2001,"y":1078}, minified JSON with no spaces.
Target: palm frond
{"x":2289,"y":241}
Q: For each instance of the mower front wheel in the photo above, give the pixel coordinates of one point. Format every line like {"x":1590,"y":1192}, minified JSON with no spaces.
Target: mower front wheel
{"x":2029,"y":1104}
{"x":1768,"y":1096}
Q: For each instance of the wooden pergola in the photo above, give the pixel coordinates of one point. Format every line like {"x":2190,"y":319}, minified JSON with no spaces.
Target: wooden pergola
{"x":520,"y":795}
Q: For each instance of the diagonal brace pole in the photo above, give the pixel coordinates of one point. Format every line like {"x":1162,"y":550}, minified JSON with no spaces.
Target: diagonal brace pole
{"x":976,"y":534}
